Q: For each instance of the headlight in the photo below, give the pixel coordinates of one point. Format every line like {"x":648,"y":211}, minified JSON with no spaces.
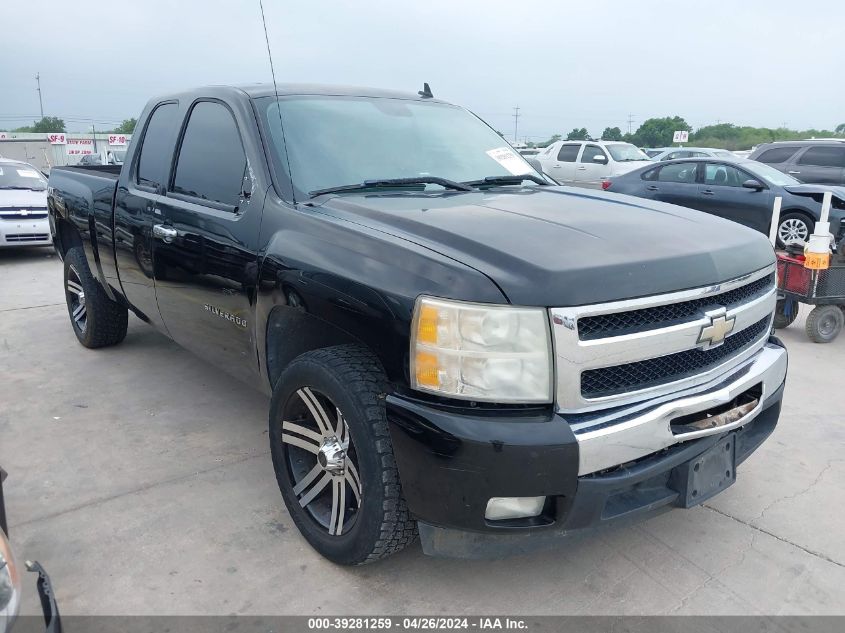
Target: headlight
{"x":10,"y":580}
{"x":474,"y":351}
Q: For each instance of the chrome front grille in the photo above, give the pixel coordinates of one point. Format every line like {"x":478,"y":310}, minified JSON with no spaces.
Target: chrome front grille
{"x":23,"y":214}
{"x":616,"y":353}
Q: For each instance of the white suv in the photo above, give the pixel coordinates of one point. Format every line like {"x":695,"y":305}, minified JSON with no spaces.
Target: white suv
{"x":590,"y":163}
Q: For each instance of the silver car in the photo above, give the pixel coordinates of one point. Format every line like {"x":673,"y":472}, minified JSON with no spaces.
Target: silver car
{"x":23,"y":205}
{"x":671,"y":153}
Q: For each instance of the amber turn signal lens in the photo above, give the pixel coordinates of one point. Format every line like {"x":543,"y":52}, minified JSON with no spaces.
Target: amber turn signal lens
{"x":427,"y":324}
{"x":426,"y":369}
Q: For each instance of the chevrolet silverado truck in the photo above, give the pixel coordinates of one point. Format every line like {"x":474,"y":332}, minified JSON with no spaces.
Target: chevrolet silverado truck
{"x":455,"y":347}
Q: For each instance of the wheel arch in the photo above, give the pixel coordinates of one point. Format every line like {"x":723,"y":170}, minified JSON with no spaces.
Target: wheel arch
{"x":67,"y":236}
{"x":292,"y":332}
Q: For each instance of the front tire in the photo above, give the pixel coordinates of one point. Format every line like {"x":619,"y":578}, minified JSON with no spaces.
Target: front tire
{"x":824,"y":323}
{"x":333,"y":456}
{"x":793,"y":229}
{"x":97,"y":321}
{"x":782,"y":319}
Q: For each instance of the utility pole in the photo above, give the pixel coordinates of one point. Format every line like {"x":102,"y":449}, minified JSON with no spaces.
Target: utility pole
{"x":515,"y":123}
{"x":94,"y":130}
{"x":630,"y":121}
{"x":40,"y":103}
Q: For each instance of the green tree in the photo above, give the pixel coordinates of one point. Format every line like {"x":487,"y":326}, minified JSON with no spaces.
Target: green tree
{"x":127,"y":127}
{"x":840,"y":129}
{"x":554,"y":139}
{"x":611,"y":134}
{"x":577,"y":134}
{"x":46,"y":124}
{"x":657,"y":132}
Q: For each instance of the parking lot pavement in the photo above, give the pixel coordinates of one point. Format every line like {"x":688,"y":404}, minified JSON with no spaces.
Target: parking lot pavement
{"x":140,"y":477}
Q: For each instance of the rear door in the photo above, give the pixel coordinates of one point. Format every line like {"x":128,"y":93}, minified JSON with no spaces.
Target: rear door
{"x":562,"y":166}
{"x":135,"y":209}
{"x":822,"y":164}
{"x":674,"y":183}
{"x":206,"y":242}
{"x":592,"y":167}
{"x":722,"y":194}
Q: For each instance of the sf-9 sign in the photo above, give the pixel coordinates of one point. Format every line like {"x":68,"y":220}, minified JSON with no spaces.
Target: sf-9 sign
{"x":57,"y":138}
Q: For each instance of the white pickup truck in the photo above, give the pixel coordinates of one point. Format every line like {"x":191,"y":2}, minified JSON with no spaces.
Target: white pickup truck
{"x":590,"y":163}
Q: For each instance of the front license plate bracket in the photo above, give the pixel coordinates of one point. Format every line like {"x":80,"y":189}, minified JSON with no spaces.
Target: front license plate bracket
{"x":706,"y":475}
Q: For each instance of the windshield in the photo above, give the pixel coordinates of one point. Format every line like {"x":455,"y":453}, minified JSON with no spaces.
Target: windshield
{"x":771,"y":174}
{"x":623,"y":152}
{"x":336,"y":141}
{"x":21,"y":176}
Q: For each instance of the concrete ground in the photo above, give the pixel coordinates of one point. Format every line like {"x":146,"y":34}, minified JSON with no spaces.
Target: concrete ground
{"x":140,"y":477}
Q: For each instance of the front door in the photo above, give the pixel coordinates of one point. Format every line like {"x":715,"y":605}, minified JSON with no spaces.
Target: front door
{"x":722,"y":194}
{"x":206,"y":243}
{"x":821,"y":164}
{"x":135,"y":210}
{"x":592,"y":167}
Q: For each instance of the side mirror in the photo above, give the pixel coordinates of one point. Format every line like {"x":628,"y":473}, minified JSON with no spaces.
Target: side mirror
{"x":751,"y":183}
{"x":600,"y":158}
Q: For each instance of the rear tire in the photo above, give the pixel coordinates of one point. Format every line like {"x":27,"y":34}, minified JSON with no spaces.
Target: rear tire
{"x":782,"y":319}
{"x":333,"y":456}
{"x":96,"y":320}
{"x":824,"y":323}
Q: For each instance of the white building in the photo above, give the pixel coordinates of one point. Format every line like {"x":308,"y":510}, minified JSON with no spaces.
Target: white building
{"x":49,"y":150}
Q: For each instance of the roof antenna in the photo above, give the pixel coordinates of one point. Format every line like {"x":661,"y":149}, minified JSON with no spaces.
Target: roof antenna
{"x":425,"y":93}
{"x":273,"y":73}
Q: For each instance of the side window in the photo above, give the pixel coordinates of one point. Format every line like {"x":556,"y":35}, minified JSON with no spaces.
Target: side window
{"x":212,"y":163}
{"x":723,"y":175}
{"x":651,"y":174}
{"x":674,"y":155}
{"x":678,"y":172}
{"x":568,"y":153}
{"x":590,"y":153}
{"x":824,"y":157}
{"x":156,"y":147}
{"x":777,"y":154}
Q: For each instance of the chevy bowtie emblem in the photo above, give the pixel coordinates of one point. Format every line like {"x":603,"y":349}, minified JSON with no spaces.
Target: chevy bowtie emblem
{"x":713,"y":334}
{"x":24,"y":212}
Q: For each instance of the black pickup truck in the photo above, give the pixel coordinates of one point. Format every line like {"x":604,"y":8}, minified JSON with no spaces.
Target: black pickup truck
{"x":455,"y":347}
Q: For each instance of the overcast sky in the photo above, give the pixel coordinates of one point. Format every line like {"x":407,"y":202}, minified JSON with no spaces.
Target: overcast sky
{"x":566,"y":64}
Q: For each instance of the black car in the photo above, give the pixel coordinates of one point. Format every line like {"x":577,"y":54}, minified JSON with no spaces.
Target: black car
{"x":819,"y":161}
{"x":740,"y":190}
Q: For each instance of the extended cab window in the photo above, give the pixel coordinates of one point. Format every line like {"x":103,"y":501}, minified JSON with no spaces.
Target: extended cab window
{"x":824,"y":157}
{"x":212,"y":163}
{"x":678,"y":172}
{"x":156,"y":148}
{"x":568,"y":153}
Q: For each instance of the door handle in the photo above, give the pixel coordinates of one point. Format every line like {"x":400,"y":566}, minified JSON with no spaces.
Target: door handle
{"x":707,"y":192}
{"x":555,"y":166}
{"x":652,"y":188}
{"x":581,"y":168}
{"x":793,"y":172}
{"x":165,"y":233}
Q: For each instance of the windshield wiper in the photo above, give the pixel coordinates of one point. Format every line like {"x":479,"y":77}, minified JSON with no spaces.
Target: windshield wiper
{"x":394,"y":182}
{"x":506,"y":180}
{"x":19,"y":188}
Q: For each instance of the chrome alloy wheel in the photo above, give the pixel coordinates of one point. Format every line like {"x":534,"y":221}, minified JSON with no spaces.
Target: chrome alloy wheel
{"x":793,"y":230}
{"x":321,"y":460}
{"x":76,"y":299}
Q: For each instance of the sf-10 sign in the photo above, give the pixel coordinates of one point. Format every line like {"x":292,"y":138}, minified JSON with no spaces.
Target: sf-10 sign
{"x":680,"y":136}
{"x":117,"y":139}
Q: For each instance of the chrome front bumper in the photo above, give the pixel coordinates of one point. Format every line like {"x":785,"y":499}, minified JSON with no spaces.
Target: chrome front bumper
{"x":616,"y":436}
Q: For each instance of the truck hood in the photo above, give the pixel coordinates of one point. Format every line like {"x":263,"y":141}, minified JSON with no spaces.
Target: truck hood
{"x":22,"y":198}
{"x":557,"y":246}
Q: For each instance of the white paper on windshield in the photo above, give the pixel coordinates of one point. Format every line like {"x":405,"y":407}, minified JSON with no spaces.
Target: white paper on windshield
{"x":28,"y":173}
{"x":510,"y":160}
